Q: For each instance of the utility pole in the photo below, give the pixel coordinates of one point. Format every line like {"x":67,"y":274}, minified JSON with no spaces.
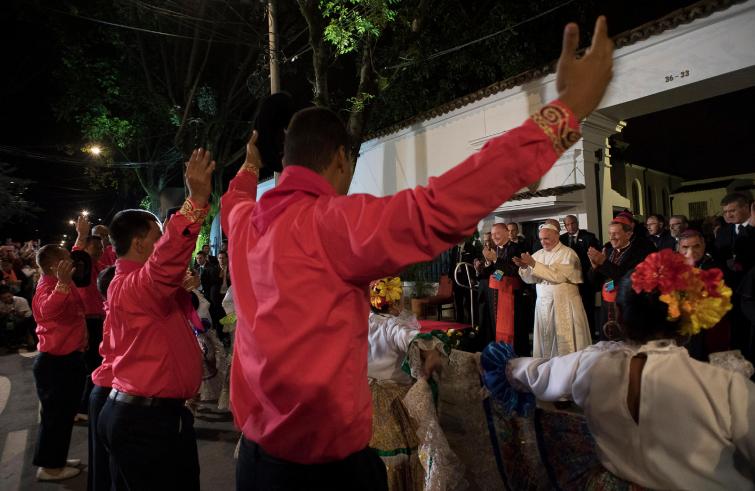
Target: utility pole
{"x":273,"y":47}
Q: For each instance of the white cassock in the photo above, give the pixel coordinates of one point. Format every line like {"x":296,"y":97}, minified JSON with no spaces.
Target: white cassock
{"x":560,"y":321}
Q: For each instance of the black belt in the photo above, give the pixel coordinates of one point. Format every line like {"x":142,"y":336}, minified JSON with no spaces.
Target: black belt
{"x":118,"y":396}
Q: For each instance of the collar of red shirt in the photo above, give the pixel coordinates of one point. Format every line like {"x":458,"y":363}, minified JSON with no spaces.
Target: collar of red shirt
{"x":296,"y":182}
{"x":125,"y":266}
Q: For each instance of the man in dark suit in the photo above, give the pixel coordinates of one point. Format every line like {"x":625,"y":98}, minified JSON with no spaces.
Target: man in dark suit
{"x":209,"y":276}
{"x":580,"y":241}
{"x":657,"y":233}
{"x":515,"y":237}
{"x":734,"y":251}
{"x":619,"y":256}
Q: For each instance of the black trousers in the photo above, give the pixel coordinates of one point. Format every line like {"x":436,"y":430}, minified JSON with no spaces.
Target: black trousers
{"x":92,"y":359}
{"x":257,"y":470}
{"x":98,"y":478}
{"x":59,"y":381}
{"x":151,"y":448}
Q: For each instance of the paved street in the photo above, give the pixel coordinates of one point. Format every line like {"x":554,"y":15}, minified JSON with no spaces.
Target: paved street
{"x":18,"y":430}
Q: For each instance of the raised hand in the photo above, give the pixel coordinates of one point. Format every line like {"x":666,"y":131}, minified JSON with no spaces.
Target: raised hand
{"x":253,"y":159}
{"x":82,"y":226}
{"x":582,"y":82}
{"x":198,"y":176}
{"x":64,"y":271}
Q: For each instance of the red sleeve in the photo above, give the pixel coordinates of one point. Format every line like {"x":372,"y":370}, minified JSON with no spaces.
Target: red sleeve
{"x":164,"y":272}
{"x":241,"y":195}
{"x":367,"y":237}
{"x":52,"y":304}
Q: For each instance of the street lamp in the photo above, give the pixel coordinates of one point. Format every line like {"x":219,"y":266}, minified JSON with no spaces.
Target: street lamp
{"x":94,"y":150}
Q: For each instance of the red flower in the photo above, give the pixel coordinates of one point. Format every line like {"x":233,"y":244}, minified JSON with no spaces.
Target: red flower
{"x":665,"y":270}
{"x":712,"y":279}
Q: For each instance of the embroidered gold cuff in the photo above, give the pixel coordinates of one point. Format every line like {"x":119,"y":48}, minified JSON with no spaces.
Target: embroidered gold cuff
{"x":192,"y":213}
{"x":62,"y":288}
{"x":250,"y":167}
{"x":554,"y":121}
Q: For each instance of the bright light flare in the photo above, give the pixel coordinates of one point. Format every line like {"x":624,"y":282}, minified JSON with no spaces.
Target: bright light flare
{"x":94,"y":150}
{"x":84,"y":213}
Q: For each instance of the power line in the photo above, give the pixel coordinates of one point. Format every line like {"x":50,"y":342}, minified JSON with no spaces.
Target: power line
{"x":444,"y":52}
{"x":20,"y":152}
{"x":149,"y":31}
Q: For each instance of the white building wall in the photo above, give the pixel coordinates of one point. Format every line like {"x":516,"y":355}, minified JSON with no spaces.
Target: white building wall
{"x":716,"y":52}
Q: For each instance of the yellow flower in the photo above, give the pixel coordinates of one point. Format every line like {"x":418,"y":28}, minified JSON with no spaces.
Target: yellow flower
{"x":385,"y":292}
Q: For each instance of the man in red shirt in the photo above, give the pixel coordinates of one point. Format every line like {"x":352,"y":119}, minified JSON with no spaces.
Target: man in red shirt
{"x":59,"y":367}
{"x":156,"y":361}
{"x":108,"y":253}
{"x":93,"y":307}
{"x":302,"y":257}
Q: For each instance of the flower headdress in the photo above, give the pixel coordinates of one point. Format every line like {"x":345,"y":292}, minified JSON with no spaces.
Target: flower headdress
{"x":384,"y":292}
{"x":696,"y":298}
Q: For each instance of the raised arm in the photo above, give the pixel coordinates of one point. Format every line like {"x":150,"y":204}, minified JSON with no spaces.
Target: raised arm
{"x":371,"y":237}
{"x":164,"y":272}
{"x":82,"y":232}
{"x":53,"y":303}
{"x":242,"y":190}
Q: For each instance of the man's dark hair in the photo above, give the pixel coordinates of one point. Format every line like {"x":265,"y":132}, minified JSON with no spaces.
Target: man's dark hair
{"x":48,"y":255}
{"x":92,"y":238}
{"x":657,"y":216}
{"x":642,"y":315}
{"x":4,"y":289}
{"x":691,"y":233}
{"x":104,"y":279}
{"x":741,"y":199}
{"x":201,"y":253}
{"x":314,"y":135}
{"x":683,"y":218}
{"x":128,"y":224}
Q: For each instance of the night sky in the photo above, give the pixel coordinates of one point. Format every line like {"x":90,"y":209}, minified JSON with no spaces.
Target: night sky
{"x":28,"y":90}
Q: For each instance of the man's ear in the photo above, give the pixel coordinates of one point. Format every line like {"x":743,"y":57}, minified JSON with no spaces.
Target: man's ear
{"x":343,"y":160}
{"x":136,"y":245}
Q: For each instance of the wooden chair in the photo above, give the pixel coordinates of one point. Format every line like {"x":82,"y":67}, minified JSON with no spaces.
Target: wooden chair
{"x":445,"y":296}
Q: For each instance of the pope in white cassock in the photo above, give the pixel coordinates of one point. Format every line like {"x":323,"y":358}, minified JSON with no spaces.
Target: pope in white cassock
{"x":560,"y":321}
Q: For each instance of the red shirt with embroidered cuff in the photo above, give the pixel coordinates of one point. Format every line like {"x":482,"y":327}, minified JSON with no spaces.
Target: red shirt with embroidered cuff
{"x":155,"y":352}
{"x":59,"y":314}
{"x":301,"y":259}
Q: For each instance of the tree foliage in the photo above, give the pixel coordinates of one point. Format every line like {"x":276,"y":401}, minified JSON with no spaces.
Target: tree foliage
{"x":150,"y":97}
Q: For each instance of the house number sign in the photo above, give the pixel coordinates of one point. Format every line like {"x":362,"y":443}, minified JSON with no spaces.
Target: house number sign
{"x":682,"y":74}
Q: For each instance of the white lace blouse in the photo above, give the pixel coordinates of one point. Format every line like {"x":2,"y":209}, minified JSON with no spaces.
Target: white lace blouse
{"x":696,"y":426}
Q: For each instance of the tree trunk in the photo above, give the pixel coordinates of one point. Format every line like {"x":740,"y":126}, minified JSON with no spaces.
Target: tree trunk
{"x":367,"y":87}
{"x":320,"y":52}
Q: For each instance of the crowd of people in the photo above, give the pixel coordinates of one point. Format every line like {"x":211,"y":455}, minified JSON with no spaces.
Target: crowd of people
{"x":328,"y":396}
{"x":573,"y":265}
